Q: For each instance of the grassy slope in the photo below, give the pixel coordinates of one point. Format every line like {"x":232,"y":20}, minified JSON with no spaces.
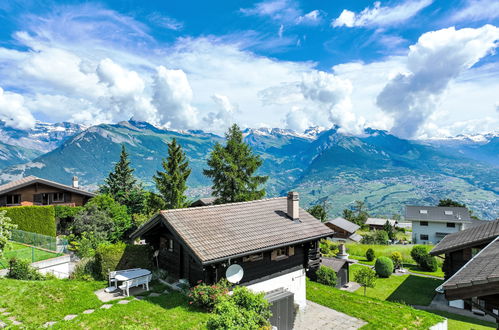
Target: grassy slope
{"x":379,"y":314}
{"x":407,"y":289}
{"x":21,"y":251}
{"x":166,"y":312}
{"x":458,"y":322}
{"x":36,"y":302}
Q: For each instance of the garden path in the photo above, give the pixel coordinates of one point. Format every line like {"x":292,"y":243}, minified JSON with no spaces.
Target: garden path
{"x":316,"y":316}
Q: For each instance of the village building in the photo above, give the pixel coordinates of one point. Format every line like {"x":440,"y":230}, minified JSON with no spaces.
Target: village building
{"x":274,"y":241}
{"x":32,"y":190}
{"x":430,"y":224}
{"x":344,"y":230}
{"x":472,"y":268}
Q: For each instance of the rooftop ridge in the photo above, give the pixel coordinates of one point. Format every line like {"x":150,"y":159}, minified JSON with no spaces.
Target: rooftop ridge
{"x":222,"y":205}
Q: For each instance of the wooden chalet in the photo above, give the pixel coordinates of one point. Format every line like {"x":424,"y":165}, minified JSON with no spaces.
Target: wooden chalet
{"x":344,"y":230}
{"x":274,"y":241}
{"x":32,"y":190}
{"x":472,"y":267}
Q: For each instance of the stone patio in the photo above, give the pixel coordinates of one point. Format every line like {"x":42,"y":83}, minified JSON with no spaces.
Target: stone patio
{"x":316,"y":316}
{"x":118,"y":294}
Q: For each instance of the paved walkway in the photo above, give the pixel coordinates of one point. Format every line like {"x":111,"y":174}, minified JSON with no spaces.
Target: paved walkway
{"x":351,"y":287}
{"x":316,"y":316}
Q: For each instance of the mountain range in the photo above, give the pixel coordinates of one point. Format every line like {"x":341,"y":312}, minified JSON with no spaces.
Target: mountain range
{"x":324,"y":165}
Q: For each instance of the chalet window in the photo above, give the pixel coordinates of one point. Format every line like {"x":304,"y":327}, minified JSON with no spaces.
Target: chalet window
{"x":448,"y":212}
{"x":451,"y":225}
{"x":282,"y":253}
{"x":423,"y":237}
{"x":13,"y":199}
{"x":253,"y":257}
{"x":424,"y":223}
{"x":58,"y":197}
{"x":170,"y":245}
{"x":423,"y":211}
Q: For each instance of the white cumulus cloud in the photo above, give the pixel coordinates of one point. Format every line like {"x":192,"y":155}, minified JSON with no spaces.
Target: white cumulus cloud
{"x":13,"y":111}
{"x":436,"y":60}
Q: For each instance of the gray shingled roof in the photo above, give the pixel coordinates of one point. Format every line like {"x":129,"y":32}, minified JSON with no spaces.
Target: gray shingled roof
{"x":13,"y":185}
{"x":482,"y":269}
{"x":380,"y":221}
{"x":222,"y":231}
{"x":355,"y":237}
{"x":333,"y":263}
{"x":472,"y":236}
{"x":437,"y":213}
{"x":345,"y":224}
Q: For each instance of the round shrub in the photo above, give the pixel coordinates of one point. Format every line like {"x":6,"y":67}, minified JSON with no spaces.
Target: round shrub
{"x":418,"y":252}
{"x":207,"y":296}
{"x":383,"y":267}
{"x":21,"y":269}
{"x":370,"y":254}
{"x":428,"y":263}
{"x":326,"y":276}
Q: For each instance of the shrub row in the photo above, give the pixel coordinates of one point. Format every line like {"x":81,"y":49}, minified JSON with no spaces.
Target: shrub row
{"x":35,"y":219}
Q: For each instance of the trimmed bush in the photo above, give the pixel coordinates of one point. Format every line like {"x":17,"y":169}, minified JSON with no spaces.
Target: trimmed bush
{"x":35,"y":219}
{"x":370,"y":256}
{"x":327,"y":276}
{"x":383,"y":267}
{"x":207,"y":296}
{"x":397,"y":259}
{"x":418,"y":252}
{"x":328,"y":248}
{"x":21,"y":269}
{"x":428,"y":263}
{"x":109,"y":257}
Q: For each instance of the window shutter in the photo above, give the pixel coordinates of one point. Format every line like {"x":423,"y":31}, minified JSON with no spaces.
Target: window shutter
{"x":291,"y":251}
{"x":273,"y":255}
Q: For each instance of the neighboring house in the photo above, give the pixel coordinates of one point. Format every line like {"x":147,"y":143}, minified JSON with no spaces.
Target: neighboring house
{"x":204,"y":201}
{"x":274,"y":241}
{"x":472,"y":268}
{"x":378,"y":223}
{"x":32,"y":190}
{"x":430,"y":224}
{"x":344,"y":230}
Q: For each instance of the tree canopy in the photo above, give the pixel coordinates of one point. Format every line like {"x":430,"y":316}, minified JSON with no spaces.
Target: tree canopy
{"x":233,"y":167}
{"x":172,"y":182}
{"x":450,"y":202}
{"x":319,"y":212}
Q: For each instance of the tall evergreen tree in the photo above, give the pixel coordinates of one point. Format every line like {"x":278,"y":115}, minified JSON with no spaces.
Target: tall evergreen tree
{"x":171,"y":183}
{"x":122,"y":185}
{"x":232,"y":168}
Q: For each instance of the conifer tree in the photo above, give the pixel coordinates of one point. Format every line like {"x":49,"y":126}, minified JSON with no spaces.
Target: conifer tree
{"x":232,"y":168}
{"x":171,"y":183}
{"x":122,"y":185}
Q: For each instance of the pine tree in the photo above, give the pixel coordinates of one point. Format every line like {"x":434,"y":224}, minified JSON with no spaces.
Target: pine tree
{"x":122,"y":185}
{"x":232,"y":168}
{"x":172,"y":182}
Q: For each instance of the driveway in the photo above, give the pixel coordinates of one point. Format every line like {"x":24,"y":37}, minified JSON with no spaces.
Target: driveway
{"x":316,"y":316}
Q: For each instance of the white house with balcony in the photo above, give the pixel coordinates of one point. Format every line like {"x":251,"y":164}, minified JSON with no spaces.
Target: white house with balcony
{"x":430,"y":224}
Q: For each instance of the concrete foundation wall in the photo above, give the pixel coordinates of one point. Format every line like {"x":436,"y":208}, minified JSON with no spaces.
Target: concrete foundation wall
{"x":293,"y":282}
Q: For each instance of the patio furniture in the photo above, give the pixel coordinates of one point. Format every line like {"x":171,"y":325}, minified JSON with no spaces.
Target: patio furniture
{"x":131,"y":278}
{"x":113,"y":284}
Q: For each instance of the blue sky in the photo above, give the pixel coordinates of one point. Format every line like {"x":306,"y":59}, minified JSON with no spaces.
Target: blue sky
{"x":419,"y":68}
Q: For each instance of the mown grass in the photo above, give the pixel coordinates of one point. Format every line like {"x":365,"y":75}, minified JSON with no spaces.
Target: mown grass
{"x":410,"y":267}
{"x":378,"y":313}
{"x":458,"y":322}
{"x":36,"y":302}
{"x":406,"y":289}
{"x":20,"y":251}
{"x":170,"y":311}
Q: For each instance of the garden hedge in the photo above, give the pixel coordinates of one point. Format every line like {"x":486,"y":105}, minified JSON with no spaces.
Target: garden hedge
{"x":109,"y":257}
{"x":35,"y":219}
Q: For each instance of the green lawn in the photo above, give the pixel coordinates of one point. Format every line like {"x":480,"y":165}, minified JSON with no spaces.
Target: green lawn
{"x":407,"y":289}
{"x":410,"y":267}
{"x":378,"y":313}
{"x":458,"y":322}
{"x":21,"y":251}
{"x":36,"y":302}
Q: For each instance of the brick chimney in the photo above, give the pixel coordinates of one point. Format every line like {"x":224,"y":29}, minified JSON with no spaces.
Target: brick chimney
{"x":293,"y":206}
{"x":75,"y":182}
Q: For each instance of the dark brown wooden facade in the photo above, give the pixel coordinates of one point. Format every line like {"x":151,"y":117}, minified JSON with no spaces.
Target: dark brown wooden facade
{"x":42,"y":194}
{"x":339,"y":232}
{"x":177,"y":259}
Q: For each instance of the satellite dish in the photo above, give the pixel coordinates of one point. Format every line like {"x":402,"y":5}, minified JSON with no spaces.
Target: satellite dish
{"x":234,"y":273}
